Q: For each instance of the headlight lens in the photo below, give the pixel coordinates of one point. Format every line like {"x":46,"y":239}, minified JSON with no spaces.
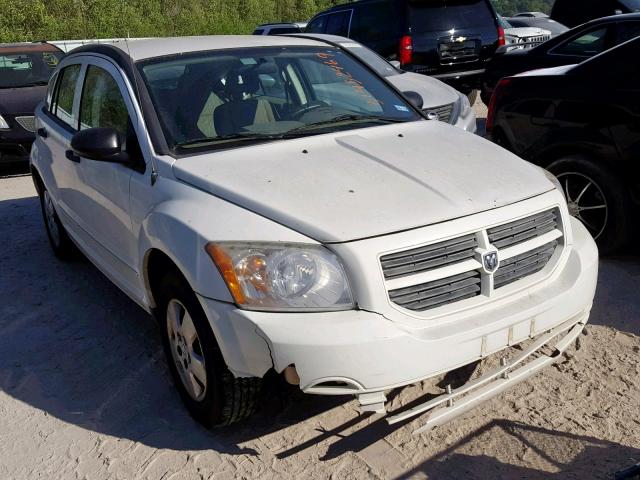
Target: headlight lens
{"x":282,"y":277}
{"x":3,"y":123}
{"x":465,"y":105}
{"x":553,"y":179}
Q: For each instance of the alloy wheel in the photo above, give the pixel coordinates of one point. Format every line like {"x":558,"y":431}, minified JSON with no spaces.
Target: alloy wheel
{"x":186,"y":350}
{"x":586,"y":201}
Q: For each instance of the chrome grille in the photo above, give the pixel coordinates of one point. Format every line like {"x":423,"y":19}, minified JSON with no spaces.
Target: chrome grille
{"x":444,"y":112}
{"x":520,"y":231}
{"x":28,"y":123}
{"x":438,"y":293}
{"x":428,"y":258}
{"x":523,"y":265}
{"x":451,"y":271}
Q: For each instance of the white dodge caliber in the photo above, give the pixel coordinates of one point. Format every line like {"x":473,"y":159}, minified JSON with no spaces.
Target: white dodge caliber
{"x":278,"y":206}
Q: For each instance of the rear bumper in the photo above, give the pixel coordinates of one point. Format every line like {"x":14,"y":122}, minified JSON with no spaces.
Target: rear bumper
{"x":359,"y":352}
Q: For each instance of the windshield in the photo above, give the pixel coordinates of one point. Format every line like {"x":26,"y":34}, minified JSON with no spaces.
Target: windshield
{"x":212,"y":100}
{"x":25,"y":68}
{"x":633,"y":5}
{"x":444,"y":15}
{"x":503,"y":23}
{"x":371,"y":58}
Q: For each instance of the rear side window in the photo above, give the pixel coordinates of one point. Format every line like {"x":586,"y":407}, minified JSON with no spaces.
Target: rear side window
{"x":444,"y":15}
{"x":259,"y":31}
{"x":338,"y":23}
{"x":318,"y":25}
{"x":62,"y":107}
{"x":586,"y":45}
{"x":102,"y":104}
{"x":283,"y":30}
{"x":378,"y":21}
{"x":627,"y":31}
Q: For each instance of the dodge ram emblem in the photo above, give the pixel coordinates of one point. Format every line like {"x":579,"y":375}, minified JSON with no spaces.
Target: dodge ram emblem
{"x":490,"y":261}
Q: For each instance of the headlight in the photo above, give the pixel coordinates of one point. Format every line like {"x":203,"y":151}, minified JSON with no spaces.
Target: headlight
{"x":282,"y":277}
{"x":3,"y":123}
{"x":465,"y":106}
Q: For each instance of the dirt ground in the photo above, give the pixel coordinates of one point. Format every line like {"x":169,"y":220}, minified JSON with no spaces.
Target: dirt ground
{"x":85,"y":393}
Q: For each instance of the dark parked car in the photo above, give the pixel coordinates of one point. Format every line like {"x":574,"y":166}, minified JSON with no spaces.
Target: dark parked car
{"x":570,"y":48}
{"x":581,"y":122}
{"x":539,"y":22}
{"x":451,"y":40}
{"x":576,"y":12}
{"x":25,"y":69}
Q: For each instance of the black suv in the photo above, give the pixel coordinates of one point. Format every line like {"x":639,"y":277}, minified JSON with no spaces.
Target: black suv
{"x":448,"y":39}
{"x":25,"y":69}
{"x":576,"y":12}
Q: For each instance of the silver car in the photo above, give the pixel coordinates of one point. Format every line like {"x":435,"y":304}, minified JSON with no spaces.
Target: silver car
{"x":440,"y":101}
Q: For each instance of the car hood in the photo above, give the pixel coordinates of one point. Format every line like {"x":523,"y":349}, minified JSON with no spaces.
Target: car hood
{"x":22,"y":100}
{"x":434,"y":93}
{"x":367,"y":182}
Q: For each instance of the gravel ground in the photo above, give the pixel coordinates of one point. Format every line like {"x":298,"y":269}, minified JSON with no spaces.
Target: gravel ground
{"x":85,"y":393}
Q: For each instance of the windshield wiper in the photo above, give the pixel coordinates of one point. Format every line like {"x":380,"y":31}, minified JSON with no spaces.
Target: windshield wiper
{"x":240,"y":137}
{"x":345,"y":118}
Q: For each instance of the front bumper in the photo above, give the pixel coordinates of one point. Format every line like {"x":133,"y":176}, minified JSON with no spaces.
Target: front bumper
{"x":15,"y":146}
{"x":360,"y":352}
{"x":468,"y":123}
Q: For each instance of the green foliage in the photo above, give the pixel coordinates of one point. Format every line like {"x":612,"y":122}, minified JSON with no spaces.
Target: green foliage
{"x":23,"y":20}
{"x":508,"y":8}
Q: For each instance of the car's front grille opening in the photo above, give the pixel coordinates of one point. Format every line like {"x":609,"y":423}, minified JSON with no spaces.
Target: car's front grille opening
{"x":523,"y":230}
{"x":537,"y":237}
{"x":524,"y":265}
{"x":430,"y":257}
{"x":444,"y":112}
{"x":438,"y":293}
{"x":27,"y":122}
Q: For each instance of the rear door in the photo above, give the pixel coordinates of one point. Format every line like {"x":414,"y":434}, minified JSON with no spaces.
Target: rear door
{"x":452,"y":35}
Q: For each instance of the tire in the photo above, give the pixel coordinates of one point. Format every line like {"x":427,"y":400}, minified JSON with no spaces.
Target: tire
{"x":473,"y":97}
{"x":61,"y":244}
{"x":212,"y":394}
{"x":598,"y":198}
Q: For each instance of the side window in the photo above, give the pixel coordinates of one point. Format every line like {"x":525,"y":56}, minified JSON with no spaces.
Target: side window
{"x":62,"y":107}
{"x":50,"y":89}
{"x":627,"y":31}
{"x":102,"y":104}
{"x":338,"y":23}
{"x":379,"y":21}
{"x":586,"y":45}
{"x":318,"y":25}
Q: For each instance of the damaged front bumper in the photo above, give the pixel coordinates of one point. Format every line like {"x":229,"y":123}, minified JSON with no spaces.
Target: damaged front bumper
{"x":365,"y":354}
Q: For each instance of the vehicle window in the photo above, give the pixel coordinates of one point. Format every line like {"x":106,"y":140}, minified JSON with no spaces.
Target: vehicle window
{"x":586,"y":45}
{"x":379,"y":21}
{"x":102,"y":104}
{"x":50,"y":90}
{"x":442,"y":15}
{"x":63,"y":105}
{"x":26,"y":68}
{"x":283,"y":30}
{"x":318,"y":25}
{"x":338,"y":23}
{"x":627,"y":31}
{"x":371,"y":58}
{"x":259,"y":31}
{"x":263,"y":94}
{"x":632,"y":5}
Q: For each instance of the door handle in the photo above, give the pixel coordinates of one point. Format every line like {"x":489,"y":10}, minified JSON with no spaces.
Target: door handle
{"x":42,"y":132}
{"x":72,"y":156}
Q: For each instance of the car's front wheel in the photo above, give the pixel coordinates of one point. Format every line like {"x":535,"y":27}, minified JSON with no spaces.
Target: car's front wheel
{"x":211,"y":393}
{"x":596,"y":197}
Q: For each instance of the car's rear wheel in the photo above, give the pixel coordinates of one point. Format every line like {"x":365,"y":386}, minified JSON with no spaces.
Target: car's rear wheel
{"x":59,"y":240}
{"x":596,"y":197}
{"x":211,"y":393}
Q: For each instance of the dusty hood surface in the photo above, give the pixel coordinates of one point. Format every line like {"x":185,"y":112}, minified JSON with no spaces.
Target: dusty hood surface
{"x":367,"y":182}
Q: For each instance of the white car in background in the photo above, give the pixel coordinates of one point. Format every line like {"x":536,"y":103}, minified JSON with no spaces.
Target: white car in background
{"x":519,"y":38}
{"x":280,"y":208}
{"x":439,"y":100}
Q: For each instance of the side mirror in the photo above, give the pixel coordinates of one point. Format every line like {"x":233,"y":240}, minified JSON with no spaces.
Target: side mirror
{"x":100,"y":144}
{"x":414,"y":99}
{"x":396,"y":64}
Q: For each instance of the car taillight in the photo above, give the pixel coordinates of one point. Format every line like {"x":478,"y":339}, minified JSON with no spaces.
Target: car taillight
{"x":498,"y":93}
{"x":502,"y":39}
{"x":405,"y":54}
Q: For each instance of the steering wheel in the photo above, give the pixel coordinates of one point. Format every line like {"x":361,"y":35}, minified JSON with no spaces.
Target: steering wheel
{"x":296,"y":114}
